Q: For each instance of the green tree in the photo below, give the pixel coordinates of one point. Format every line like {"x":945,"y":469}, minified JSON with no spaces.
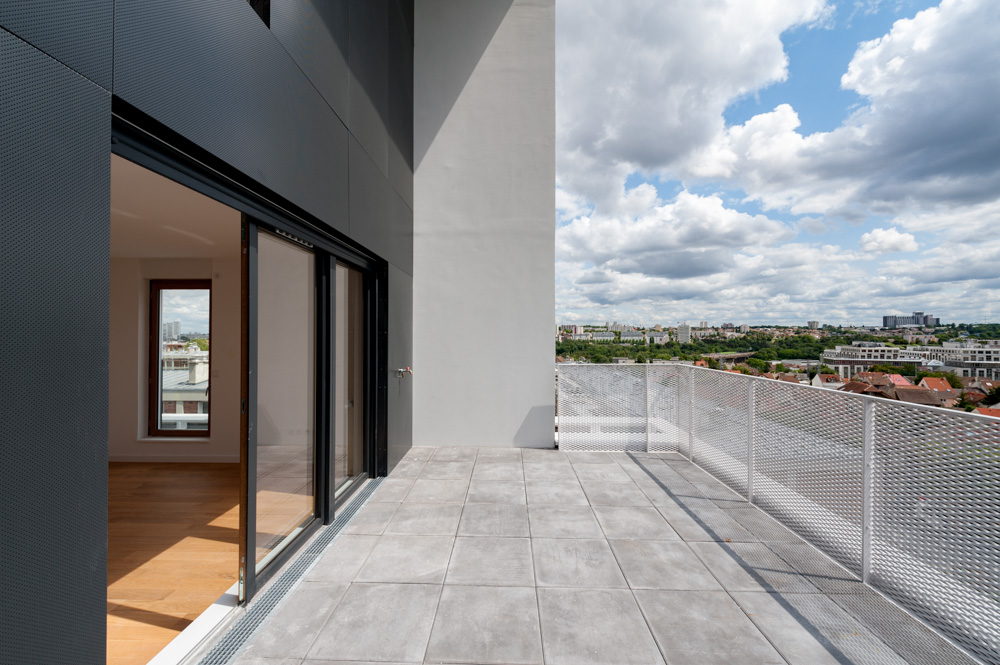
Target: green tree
{"x":202,"y":343}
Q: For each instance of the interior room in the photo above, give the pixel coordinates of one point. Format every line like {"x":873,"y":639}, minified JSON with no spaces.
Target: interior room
{"x":174,"y":409}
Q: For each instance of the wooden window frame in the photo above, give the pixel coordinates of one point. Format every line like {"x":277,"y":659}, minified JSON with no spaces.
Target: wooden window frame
{"x":154,"y":347}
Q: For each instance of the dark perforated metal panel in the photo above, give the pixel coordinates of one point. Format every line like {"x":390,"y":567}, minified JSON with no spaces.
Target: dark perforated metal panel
{"x":215,"y":74}
{"x":54,"y":221}
{"x":78,"y":34}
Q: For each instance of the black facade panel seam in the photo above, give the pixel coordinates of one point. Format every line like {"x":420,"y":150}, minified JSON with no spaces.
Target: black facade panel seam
{"x":54,"y":271}
{"x":77,"y":34}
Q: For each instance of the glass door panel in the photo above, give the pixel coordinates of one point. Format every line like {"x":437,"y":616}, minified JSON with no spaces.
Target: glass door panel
{"x":286,"y":398}
{"x":349,"y":385}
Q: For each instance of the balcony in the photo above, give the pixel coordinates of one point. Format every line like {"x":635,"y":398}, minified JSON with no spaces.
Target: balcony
{"x":690,"y":516}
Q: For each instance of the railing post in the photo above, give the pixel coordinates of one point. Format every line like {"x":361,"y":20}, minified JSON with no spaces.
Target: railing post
{"x":750,"y":437}
{"x":866,"y":496}
{"x":645,"y":376}
{"x":690,"y":376}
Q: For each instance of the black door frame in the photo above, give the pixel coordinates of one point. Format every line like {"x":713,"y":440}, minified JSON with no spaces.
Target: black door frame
{"x":145,"y":141}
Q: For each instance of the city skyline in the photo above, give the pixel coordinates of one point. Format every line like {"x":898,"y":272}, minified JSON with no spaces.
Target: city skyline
{"x":842,"y":164}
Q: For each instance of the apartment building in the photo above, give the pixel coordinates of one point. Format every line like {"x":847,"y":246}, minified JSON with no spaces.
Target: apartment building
{"x":340,"y":180}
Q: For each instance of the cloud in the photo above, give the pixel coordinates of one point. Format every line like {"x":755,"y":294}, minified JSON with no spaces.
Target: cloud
{"x":643,"y":84}
{"x":927,"y":135}
{"x":880,"y":241}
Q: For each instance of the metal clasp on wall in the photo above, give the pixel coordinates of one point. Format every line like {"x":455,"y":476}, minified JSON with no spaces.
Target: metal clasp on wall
{"x":400,"y":373}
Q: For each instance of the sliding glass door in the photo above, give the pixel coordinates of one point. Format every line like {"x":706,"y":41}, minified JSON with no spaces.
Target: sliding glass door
{"x":286,"y":393}
{"x":349,"y":378}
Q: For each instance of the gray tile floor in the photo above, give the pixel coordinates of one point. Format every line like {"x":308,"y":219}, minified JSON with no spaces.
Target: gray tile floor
{"x":509,"y":556}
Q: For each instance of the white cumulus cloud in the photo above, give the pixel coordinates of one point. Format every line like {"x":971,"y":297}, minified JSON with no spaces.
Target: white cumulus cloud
{"x":880,"y":241}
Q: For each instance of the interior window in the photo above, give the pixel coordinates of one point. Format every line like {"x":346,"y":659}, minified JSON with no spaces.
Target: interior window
{"x":180,"y":365}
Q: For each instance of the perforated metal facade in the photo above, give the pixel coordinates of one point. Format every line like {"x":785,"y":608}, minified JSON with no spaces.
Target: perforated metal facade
{"x":926,"y":482}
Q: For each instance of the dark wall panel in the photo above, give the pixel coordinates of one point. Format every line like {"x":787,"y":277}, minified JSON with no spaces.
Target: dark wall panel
{"x":315,"y":32}
{"x":369,"y":62}
{"x":400,"y":102}
{"x":380,"y":219}
{"x":400,"y":354}
{"x":213,"y":72}
{"x":78,"y":34}
{"x":55,"y":186}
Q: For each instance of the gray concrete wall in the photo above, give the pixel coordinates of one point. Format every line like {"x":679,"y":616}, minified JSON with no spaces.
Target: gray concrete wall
{"x":483,"y":237}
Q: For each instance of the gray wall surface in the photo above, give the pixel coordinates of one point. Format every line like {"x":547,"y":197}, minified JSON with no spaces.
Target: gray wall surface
{"x":484,"y":231}
{"x":54,"y":262}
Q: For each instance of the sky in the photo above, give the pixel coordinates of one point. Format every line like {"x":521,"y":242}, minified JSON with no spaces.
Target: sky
{"x":189,"y":306}
{"x":777,"y":161}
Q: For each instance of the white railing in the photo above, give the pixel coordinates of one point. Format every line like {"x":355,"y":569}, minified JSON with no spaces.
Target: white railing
{"x":185,"y":420}
{"x":907,"y":497}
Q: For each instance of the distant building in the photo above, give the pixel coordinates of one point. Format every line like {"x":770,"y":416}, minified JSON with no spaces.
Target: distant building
{"x":622,"y":361}
{"x":918,"y":319}
{"x":171,"y":331}
{"x":633,"y":336}
{"x":813,"y":325}
{"x":660,"y":338}
{"x":684,"y":333}
{"x":745,"y":328}
{"x":583,"y":337}
{"x":604,"y":337}
{"x":704,"y":324}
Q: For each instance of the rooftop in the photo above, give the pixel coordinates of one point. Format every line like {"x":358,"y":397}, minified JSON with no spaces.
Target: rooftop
{"x":540,"y":556}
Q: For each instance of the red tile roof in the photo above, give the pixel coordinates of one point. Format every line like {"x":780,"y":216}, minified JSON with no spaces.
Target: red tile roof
{"x":988,"y":412}
{"x":936,"y":384}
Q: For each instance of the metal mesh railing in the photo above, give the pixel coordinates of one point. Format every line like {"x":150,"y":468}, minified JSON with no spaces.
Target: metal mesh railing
{"x":924,"y":481}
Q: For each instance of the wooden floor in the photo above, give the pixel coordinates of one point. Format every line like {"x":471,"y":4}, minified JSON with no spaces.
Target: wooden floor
{"x":172,"y":550}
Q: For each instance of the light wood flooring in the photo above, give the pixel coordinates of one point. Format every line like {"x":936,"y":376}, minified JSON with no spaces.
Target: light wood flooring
{"x":172,"y":550}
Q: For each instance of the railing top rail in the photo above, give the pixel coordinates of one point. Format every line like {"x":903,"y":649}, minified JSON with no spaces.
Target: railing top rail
{"x":972,"y":417}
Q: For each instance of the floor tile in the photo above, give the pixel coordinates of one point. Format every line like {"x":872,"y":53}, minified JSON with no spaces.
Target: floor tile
{"x":539,"y":455}
{"x":605,"y":493}
{"x":546,"y":471}
{"x":454,"y":454}
{"x":486,"y":625}
{"x":643,"y":522}
{"x":343,"y":559}
{"x":563,"y":522}
{"x":704,"y":628}
{"x":583,"y":457}
{"x":498,"y":471}
{"x":499,"y":455}
{"x":408,"y":559}
{"x":750,"y":567}
{"x":409,"y":468}
{"x":594,"y":627}
{"x":494,"y":519}
{"x":811,"y":628}
{"x":299,"y":619}
{"x":489,"y":561}
{"x":661,"y":564}
{"x":436,"y":470}
{"x":558,"y":492}
{"x":821,"y":571}
{"x":392,"y":490}
{"x":425,"y":519}
{"x":705,"y":526}
{"x":575,"y":562}
{"x":371,"y":520}
{"x":605,"y":472}
{"x":357,"y":630}
{"x":437,"y":491}
{"x":496,"y":491}
{"x":766,"y":528}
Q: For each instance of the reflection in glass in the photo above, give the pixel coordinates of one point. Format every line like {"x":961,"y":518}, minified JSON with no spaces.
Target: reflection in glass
{"x":348,"y":398}
{"x":184,"y":357}
{"x":286,"y":366}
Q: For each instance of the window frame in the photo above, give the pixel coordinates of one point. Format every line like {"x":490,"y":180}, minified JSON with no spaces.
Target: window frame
{"x":154,"y":348}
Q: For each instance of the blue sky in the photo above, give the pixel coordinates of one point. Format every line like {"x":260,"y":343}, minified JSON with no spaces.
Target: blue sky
{"x":777,"y":161}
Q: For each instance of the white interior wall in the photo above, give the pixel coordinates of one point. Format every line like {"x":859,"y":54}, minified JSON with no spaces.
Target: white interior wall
{"x":128,"y":361}
{"x":484,"y":231}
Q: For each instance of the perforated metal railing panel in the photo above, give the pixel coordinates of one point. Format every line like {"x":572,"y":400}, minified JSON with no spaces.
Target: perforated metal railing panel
{"x":667,"y":433}
{"x":936,"y":518}
{"x":720,"y":426}
{"x":602,"y":407}
{"x":808,"y":454}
